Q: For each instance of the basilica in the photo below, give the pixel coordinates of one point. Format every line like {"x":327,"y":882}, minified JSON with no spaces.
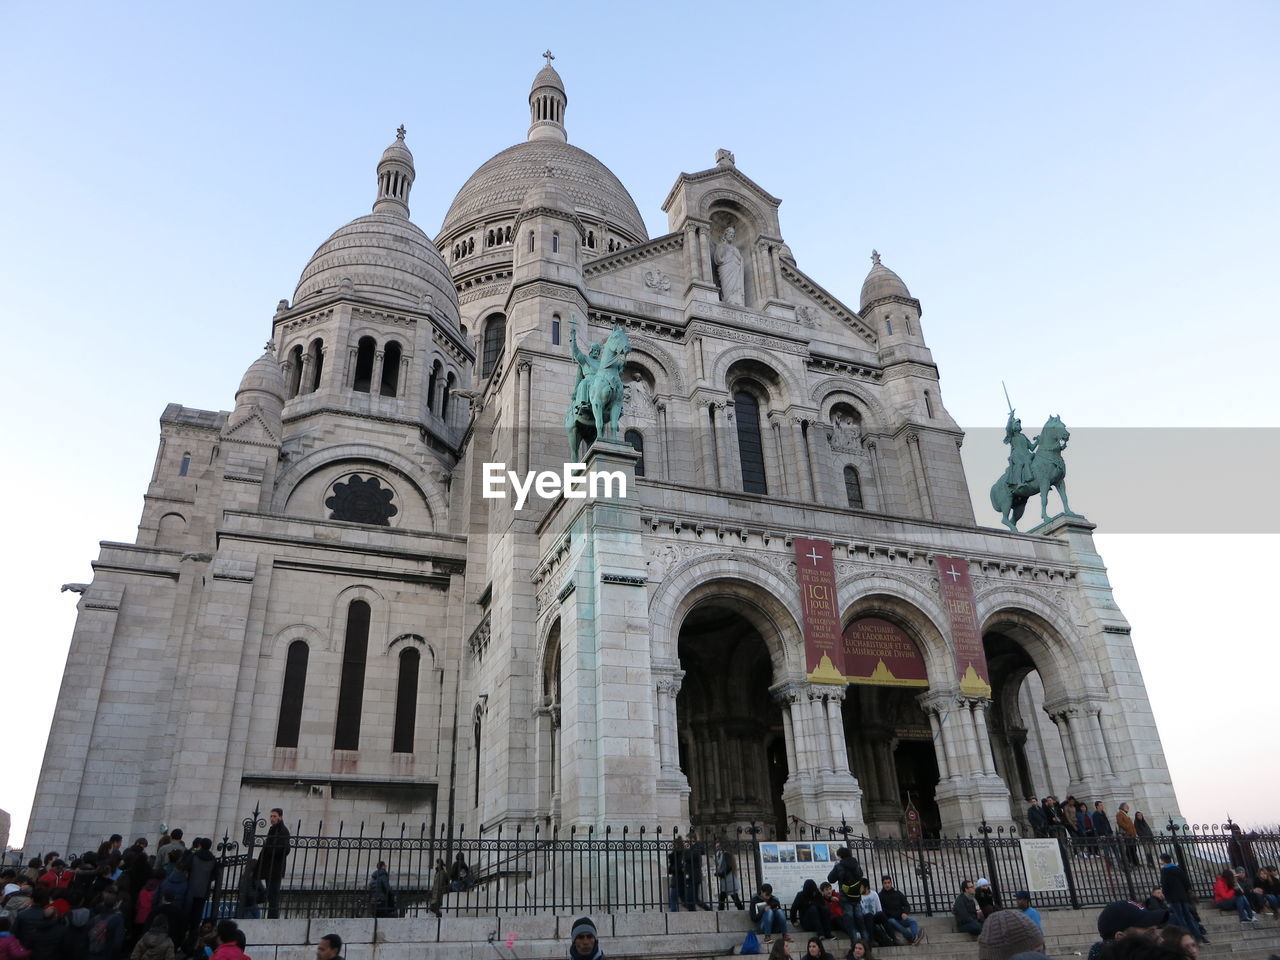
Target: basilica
{"x":785,"y":613}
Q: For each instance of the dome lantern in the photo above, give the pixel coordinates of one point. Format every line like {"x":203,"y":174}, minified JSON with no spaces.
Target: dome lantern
{"x":547,"y":101}
{"x":395,"y":177}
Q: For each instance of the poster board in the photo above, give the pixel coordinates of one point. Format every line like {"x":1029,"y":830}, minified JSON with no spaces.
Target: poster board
{"x":1042,"y":860}
{"x":788,"y":865}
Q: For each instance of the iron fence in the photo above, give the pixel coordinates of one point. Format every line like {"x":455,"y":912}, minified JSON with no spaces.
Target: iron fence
{"x":533,"y":870}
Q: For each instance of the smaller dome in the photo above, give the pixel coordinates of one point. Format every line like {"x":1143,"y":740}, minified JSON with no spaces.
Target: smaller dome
{"x":881,"y":282}
{"x":548,"y":77}
{"x":397,"y":150}
{"x":265,"y":377}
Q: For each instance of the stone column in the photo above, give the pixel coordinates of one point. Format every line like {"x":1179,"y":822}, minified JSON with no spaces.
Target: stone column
{"x":835,"y":726}
{"x":922,"y":482}
{"x":375,"y":379}
{"x":730,"y":464}
{"x":668,"y":688}
{"x":707,"y":434}
{"x":984,"y":739}
{"x":789,"y":738}
{"x":882,"y":498}
{"x":804,"y":469}
{"x":939,"y":748}
{"x":821,"y":733}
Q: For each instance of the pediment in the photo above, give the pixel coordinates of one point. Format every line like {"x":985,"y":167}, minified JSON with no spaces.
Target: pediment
{"x":253,"y":429}
{"x":807,"y":291}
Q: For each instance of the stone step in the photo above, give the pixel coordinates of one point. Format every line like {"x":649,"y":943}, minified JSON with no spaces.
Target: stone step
{"x":674,"y":936}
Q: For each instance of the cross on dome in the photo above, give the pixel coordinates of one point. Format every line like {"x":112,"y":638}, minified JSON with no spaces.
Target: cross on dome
{"x":875,"y":257}
{"x":549,"y":56}
{"x":400,"y":131}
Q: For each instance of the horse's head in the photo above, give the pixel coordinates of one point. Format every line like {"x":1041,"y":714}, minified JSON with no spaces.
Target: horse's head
{"x":1055,"y":433}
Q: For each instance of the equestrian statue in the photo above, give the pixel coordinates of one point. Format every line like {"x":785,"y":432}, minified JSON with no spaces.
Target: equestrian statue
{"x":596,"y":406}
{"x":1034,"y":466}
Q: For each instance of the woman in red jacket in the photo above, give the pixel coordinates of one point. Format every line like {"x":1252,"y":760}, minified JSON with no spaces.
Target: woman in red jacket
{"x":1227,"y":895}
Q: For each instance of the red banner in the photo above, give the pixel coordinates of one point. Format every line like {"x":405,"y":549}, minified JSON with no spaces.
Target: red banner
{"x":880,"y":654}
{"x":966,"y":635}
{"x":823,"y":647}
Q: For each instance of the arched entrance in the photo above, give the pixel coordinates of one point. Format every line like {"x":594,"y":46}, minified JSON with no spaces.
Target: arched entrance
{"x":1026,"y":747}
{"x":888,"y":736}
{"x":730,"y":727}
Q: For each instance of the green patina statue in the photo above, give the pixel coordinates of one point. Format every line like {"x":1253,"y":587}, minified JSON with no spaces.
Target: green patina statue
{"x":1034,"y":467}
{"x":596,"y":405}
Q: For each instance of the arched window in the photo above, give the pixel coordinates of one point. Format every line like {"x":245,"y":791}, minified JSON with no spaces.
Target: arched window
{"x":316,"y":352}
{"x":186,"y":464}
{"x":746,"y":410}
{"x":390,"y":369}
{"x":852,"y":487}
{"x":591,"y":239}
{"x":888,"y":325}
{"x":364,"y":365}
{"x":295,"y":371}
{"x":291,"y":694}
{"x":907,"y":319}
{"x":555,"y":243}
{"x":636,"y":440}
{"x":471,"y":245}
{"x":406,"y":701}
{"x":488,"y":239}
{"x":432,"y":382}
{"x":495,"y":336}
{"x":508,"y":235}
{"x":555,"y":329}
{"x":351,"y":684}
{"x":928,"y":405}
{"x":450,"y":382}
{"x":531,"y":241}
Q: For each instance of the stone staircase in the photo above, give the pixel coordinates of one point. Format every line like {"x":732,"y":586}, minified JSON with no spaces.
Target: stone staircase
{"x":679,"y":936}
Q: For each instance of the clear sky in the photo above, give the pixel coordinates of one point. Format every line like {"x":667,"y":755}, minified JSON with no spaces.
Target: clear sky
{"x":1084,"y":197}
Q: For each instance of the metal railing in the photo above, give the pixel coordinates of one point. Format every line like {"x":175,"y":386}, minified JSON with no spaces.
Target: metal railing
{"x":523,"y":871}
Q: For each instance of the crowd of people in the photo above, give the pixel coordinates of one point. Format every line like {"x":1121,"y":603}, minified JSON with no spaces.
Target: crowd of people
{"x":1075,"y":819}
{"x":118,"y":899}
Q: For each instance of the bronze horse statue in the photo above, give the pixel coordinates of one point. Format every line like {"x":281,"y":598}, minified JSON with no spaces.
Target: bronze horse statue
{"x":1009,"y":494}
{"x":596,"y":406}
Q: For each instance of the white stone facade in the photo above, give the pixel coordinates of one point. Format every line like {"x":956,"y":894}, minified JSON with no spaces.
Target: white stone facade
{"x":551,"y":664}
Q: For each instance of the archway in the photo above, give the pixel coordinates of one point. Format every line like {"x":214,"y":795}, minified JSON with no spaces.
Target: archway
{"x":887,"y":734}
{"x":730,"y":729}
{"x":1025,"y":744}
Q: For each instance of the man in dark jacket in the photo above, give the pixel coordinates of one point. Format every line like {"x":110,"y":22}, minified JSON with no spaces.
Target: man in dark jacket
{"x":271,"y":862}
{"x":1036,"y":818}
{"x":897,"y":911}
{"x":1177,"y":897}
{"x":202,"y":872}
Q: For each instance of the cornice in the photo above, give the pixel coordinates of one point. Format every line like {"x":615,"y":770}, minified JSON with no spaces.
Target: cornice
{"x":811,"y":288}
{"x":631,"y":255}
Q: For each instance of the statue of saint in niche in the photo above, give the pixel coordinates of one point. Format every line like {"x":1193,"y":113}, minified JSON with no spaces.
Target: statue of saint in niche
{"x":728,"y":261}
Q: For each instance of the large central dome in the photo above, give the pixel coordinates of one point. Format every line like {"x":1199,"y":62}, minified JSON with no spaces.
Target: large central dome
{"x":497,"y":189}
{"x":500,"y":184}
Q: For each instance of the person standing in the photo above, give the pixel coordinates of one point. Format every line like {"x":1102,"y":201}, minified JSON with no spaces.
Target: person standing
{"x":382,"y":899}
{"x":1128,"y":834}
{"x":202,"y":873}
{"x":1036,"y":818}
{"x":439,"y":887}
{"x":692,"y":870}
{"x":1177,"y":896}
{"x":847,"y":876}
{"x":727,"y":873}
{"x":271,"y":862}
